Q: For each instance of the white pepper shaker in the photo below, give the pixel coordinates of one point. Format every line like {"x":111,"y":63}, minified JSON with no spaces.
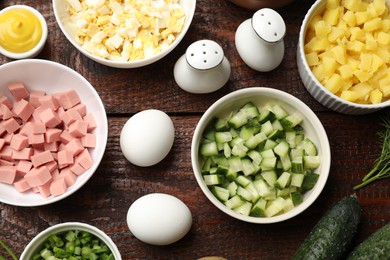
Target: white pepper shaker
{"x":259,"y":40}
{"x":203,"y":68}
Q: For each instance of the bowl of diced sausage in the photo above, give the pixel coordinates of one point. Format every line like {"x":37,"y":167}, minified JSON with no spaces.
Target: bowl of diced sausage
{"x":53,"y":132}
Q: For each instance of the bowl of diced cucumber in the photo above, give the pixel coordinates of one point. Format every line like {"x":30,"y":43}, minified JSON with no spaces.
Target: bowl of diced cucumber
{"x":260,"y":155}
{"x":343,"y":54}
{"x":71,"y":240}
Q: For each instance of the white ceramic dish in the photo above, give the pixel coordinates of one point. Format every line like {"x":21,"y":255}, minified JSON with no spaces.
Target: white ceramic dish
{"x":315,"y":88}
{"x":36,"y":243}
{"x":63,"y":20}
{"x":260,"y":96}
{"x":53,"y":78}
{"x":38,"y":48}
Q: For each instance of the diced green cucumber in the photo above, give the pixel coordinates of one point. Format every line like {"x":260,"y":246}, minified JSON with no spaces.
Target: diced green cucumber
{"x":244,"y":193}
{"x":234,"y":202}
{"x":286,"y":162}
{"x":220,"y":193}
{"x":255,"y":156}
{"x":309,"y":181}
{"x":266,"y":115}
{"x":267,"y":128}
{"x":221,"y":124}
{"x":308,"y":146}
{"x":231,"y":175}
{"x":262,"y":187}
{"x":276,"y":134}
{"x":288,"y":205}
{"x":223,"y":137}
{"x":296,"y":197}
{"x":297,"y":165}
{"x":253,"y":191}
{"x":282,"y":149}
{"x":213,"y":179}
{"x":290,"y":121}
{"x":209,"y":149}
{"x":268,"y":163}
{"x":258,"y":208}
{"x":239,"y":149}
{"x":227,"y":150}
{"x":269,"y":153}
{"x":277,"y":125}
{"x":295,"y":152}
{"x":274,"y":207}
{"x":244,"y":209}
{"x":247,"y":167}
{"x":232,"y":188}
{"x":242,"y":180}
{"x":311,"y":161}
{"x":235,"y":163}
{"x":270,"y":177}
{"x":283,"y":180}
{"x":279,"y":112}
{"x":297,"y":179}
{"x":255,"y":140}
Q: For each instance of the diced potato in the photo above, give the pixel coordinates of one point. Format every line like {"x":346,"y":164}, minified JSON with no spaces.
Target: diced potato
{"x":335,"y":34}
{"x":357,"y":34}
{"x":372,"y":25}
{"x":312,"y":59}
{"x":383,"y":38}
{"x":361,"y":17}
{"x":346,"y":71}
{"x":349,"y":18}
{"x":365,"y":61}
{"x":376,"y":63}
{"x":352,"y":5}
{"x":349,"y":95}
{"x":331,"y":16}
{"x":376,"y":96}
{"x":355,"y":46}
{"x":321,"y":44}
{"x":383,"y":53}
{"x":371,"y":43}
{"x":380,"y":6}
{"x":334,"y":83}
{"x":363,"y":90}
{"x":322,"y":29}
{"x":330,"y":64}
{"x":331,"y":4}
{"x":320,"y":72}
{"x":339,"y":53}
{"x":363,"y":76}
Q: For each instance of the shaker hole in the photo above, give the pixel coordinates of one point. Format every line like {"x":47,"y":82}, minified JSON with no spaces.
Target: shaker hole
{"x":204,"y":61}
{"x":216,"y":52}
{"x":204,"y":44}
{"x":192,"y":54}
{"x":275,"y":34}
{"x":262,"y":14}
{"x":204,"y":52}
{"x":269,"y":23}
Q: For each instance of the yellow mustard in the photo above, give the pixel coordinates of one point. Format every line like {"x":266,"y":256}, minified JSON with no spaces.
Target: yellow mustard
{"x":20,"y":30}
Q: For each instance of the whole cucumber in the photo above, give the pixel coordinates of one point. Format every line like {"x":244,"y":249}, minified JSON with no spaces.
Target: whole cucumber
{"x":332,"y":235}
{"x":376,"y":246}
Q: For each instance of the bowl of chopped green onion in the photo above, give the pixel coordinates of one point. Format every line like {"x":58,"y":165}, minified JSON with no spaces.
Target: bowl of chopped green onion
{"x":71,"y":240}
{"x":260,"y":155}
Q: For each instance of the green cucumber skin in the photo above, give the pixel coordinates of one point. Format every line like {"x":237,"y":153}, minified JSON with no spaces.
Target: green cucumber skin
{"x":376,"y":246}
{"x":332,"y":235}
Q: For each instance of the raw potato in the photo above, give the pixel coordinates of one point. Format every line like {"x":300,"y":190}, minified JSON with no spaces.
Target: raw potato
{"x":348,"y":49}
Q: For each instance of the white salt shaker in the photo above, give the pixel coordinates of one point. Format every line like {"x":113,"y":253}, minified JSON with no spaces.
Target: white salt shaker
{"x":259,"y":40}
{"x":203,"y":68}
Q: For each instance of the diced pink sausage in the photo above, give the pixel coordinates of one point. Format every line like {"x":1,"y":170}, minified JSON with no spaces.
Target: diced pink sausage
{"x":81,"y":109}
{"x":52,"y":147}
{"x":77,"y":169}
{"x":18,"y":90}
{"x":49,"y":118}
{"x":78,"y":129}
{"x":69,"y":176}
{"x":26,"y":129}
{"x":5,"y":101}
{"x":23,"y":109}
{"x":90,"y":119}
{"x":74,"y":146}
{"x":21,"y":185}
{"x":34,"y":97}
{"x":38,"y":176}
{"x":2,"y":130}
{"x":58,"y":187}
{"x":38,"y":128}
{"x":89,"y":140}
{"x":10,"y":125}
{"x":7,"y":174}
{"x":49,"y":102}
{"x":36,"y":139}
{"x":19,"y":142}
{"x":71,"y":116}
{"x":6,"y":153}
{"x":52,"y":135}
{"x":6,"y":163}
{"x":85,"y":159}
{"x":24,"y":154}
{"x":65,"y":137}
{"x":68,"y":99}
{"x":41,"y":158}
{"x":2,"y":143}
{"x":44,"y":189}
{"x":23,"y":167}
{"x":6,"y":112}
{"x":65,"y":158}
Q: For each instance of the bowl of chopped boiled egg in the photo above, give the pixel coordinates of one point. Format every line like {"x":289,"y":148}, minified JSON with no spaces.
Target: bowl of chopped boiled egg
{"x":124,"y":34}
{"x":260,"y":155}
{"x":343,"y":54}
{"x":53,"y":132}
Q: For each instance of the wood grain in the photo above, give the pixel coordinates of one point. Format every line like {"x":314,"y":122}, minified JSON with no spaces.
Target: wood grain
{"x":104,"y":200}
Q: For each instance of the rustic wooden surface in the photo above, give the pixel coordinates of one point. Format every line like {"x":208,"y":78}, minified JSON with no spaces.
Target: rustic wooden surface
{"x":104,"y":200}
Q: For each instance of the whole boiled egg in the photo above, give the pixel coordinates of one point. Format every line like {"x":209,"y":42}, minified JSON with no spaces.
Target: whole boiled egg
{"x":159,"y":219}
{"x":147,"y":137}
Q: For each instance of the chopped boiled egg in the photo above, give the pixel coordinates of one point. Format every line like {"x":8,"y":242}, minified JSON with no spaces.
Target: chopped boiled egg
{"x":126,"y":30}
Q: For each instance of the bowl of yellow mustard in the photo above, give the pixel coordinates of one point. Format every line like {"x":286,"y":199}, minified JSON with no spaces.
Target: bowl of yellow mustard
{"x":23,"y":32}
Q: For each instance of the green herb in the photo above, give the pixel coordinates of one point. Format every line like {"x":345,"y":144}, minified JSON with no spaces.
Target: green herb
{"x":8,"y":251}
{"x":74,"y":245}
{"x":381,"y":167}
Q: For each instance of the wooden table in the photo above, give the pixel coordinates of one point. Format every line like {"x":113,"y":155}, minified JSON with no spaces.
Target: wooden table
{"x":105,"y":199}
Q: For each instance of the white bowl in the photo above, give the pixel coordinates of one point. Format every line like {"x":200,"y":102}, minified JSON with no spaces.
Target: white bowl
{"x":315,"y":88}
{"x":53,"y":77}
{"x":38,"y":48}
{"x":63,"y":20}
{"x":36,"y":243}
{"x":260,"y":96}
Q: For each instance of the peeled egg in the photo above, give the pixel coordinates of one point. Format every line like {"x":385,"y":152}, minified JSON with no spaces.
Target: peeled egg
{"x":159,"y":219}
{"x":147,"y":137}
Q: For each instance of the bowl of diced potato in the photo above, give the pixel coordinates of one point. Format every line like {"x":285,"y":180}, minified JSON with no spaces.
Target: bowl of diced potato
{"x":343,"y":54}
{"x":124,"y":34}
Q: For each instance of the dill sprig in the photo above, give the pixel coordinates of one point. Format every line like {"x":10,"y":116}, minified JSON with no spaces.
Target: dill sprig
{"x":8,"y":251}
{"x":381,"y":167}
